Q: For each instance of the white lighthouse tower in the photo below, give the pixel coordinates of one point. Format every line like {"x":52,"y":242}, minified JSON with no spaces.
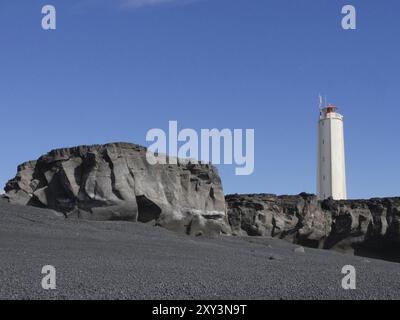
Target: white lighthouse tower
{"x":331,"y":175}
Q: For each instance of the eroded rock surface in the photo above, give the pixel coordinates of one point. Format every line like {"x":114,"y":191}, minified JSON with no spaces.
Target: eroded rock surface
{"x":115,"y":182}
{"x":366,"y":227}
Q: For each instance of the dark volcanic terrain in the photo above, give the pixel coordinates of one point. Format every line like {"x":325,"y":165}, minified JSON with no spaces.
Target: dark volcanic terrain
{"x":125,"y":260}
{"x":115,"y":182}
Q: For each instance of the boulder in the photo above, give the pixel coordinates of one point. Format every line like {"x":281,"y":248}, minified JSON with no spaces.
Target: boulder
{"x":116,"y":182}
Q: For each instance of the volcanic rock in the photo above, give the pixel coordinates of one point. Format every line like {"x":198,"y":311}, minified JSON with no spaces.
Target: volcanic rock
{"x":115,"y":182}
{"x":364,"y":227}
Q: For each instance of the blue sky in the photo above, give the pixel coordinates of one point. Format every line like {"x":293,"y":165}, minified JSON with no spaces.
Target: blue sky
{"x":115,"y":69}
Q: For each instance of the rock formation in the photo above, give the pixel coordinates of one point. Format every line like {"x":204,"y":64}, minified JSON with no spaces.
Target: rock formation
{"x":365,"y":227}
{"x":115,"y":182}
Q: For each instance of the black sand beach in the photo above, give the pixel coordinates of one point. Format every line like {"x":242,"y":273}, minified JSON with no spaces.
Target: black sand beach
{"x":123,"y":260}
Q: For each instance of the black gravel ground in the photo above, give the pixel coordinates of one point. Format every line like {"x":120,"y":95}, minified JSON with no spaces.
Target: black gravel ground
{"x":122,"y":260}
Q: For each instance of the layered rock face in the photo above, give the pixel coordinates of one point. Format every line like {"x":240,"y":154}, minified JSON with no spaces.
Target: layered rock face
{"x":116,"y":182}
{"x":366,"y":227}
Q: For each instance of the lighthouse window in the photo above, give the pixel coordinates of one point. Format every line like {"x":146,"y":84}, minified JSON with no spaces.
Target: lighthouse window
{"x":323,"y":178}
{"x":323,"y":141}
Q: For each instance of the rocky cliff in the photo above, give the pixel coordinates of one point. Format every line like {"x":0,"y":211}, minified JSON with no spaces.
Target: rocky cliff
{"x":115,"y":182}
{"x":365,"y":227}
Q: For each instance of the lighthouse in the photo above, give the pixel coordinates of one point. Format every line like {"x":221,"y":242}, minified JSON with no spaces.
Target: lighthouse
{"x":331,"y":172}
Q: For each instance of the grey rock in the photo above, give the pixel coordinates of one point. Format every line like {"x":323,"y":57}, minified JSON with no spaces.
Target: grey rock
{"x":116,"y":182}
{"x":299,"y":250}
{"x":363,"y":227}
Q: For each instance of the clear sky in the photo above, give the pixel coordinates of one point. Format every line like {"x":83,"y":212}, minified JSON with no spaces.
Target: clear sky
{"x":114,"y":69}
